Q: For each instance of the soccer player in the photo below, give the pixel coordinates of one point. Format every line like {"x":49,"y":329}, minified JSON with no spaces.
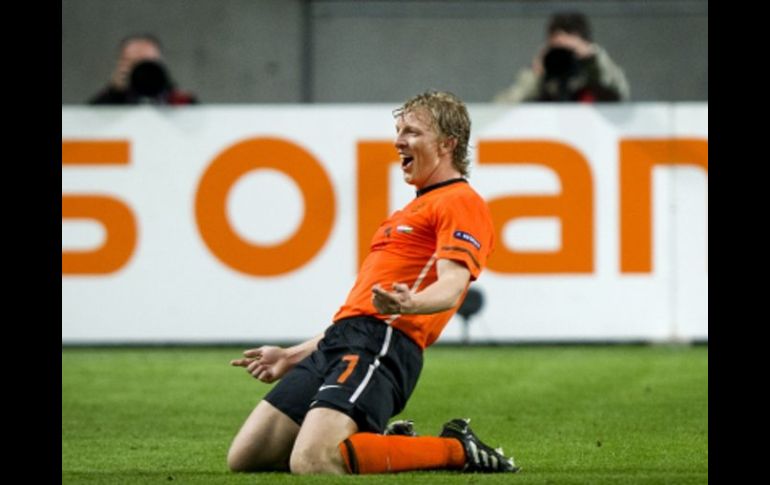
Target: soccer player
{"x":337,"y":391}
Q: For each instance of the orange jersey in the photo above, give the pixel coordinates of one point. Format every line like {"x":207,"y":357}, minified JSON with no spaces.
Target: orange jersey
{"x":447,"y":221}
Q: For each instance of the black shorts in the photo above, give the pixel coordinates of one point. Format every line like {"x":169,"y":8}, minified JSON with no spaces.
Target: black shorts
{"x":363,"y":368}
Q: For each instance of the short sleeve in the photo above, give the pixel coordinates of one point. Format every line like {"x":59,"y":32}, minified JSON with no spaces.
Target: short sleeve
{"x":465,"y":231}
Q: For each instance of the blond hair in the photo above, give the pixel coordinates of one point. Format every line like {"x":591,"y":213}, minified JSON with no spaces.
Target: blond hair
{"x":450,"y":118}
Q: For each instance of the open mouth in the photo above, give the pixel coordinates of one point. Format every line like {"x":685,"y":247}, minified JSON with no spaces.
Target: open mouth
{"x":405,"y":161}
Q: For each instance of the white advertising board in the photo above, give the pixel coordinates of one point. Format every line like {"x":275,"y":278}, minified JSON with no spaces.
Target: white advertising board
{"x":246,"y":223}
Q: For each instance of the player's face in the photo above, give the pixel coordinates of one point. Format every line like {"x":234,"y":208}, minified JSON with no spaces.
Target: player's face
{"x":418,"y":145}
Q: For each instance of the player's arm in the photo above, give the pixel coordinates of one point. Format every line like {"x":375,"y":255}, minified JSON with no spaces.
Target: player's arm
{"x":443,"y":294}
{"x":269,"y":363}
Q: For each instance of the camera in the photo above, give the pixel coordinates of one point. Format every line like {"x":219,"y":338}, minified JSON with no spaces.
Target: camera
{"x":560,"y":63}
{"x":149,"y":79}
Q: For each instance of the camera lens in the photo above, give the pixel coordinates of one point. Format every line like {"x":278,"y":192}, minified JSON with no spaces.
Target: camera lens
{"x":559,"y":62}
{"x":149,"y":78}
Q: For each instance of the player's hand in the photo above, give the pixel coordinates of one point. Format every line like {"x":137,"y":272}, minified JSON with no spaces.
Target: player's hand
{"x":397,"y":302}
{"x":267,"y":363}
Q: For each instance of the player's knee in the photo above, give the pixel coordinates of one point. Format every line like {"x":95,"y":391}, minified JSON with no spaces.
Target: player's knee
{"x":245,"y":460}
{"x":238,"y":460}
{"x":306,"y":461}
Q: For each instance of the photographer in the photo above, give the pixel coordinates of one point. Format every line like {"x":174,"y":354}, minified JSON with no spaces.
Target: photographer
{"x":140,"y":77}
{"x":569,"y":67}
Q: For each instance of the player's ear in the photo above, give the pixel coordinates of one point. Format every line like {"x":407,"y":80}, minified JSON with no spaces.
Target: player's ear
{"x":448,"y":144}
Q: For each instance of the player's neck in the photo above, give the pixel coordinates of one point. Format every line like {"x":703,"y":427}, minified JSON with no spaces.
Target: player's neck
{"x":430,"y":188}
{"x":443,"y":173}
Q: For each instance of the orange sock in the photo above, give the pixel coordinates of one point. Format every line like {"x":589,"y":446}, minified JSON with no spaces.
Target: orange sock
{"x":376,"y":453}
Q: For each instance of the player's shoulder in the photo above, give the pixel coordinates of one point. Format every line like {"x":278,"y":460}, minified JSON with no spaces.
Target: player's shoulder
{"x":462,"y":201}
{"x":464,"y":191}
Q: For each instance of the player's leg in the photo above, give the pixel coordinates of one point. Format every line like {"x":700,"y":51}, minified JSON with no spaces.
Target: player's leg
{"x":266,"y":438}
{"x":316,"y":449}
{"x":264,"y":442}
{"x":456,"y":448}
{"x":358,"y":393}
{"x":365,"y":389}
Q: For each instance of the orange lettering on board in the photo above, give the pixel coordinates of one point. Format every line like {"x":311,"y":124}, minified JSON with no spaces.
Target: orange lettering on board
{"x":637,"y":159}
{"x":257,"y":259}
{"x":116,"y":217}
{"x":95,"y":152}
{"x":119,"y":224}
{"x":573,"y":206}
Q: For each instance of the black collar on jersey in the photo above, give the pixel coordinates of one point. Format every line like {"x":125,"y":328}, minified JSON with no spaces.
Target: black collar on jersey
{"x":439,"y":185}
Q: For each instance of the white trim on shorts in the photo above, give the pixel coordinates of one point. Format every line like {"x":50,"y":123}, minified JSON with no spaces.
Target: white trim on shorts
{"x":388,"y":333}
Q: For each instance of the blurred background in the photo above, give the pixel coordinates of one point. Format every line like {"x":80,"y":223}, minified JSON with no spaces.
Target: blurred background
{"x":321,"y":51}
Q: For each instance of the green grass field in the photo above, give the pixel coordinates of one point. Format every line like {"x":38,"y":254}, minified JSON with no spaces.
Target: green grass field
{"x":592,"y":415}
